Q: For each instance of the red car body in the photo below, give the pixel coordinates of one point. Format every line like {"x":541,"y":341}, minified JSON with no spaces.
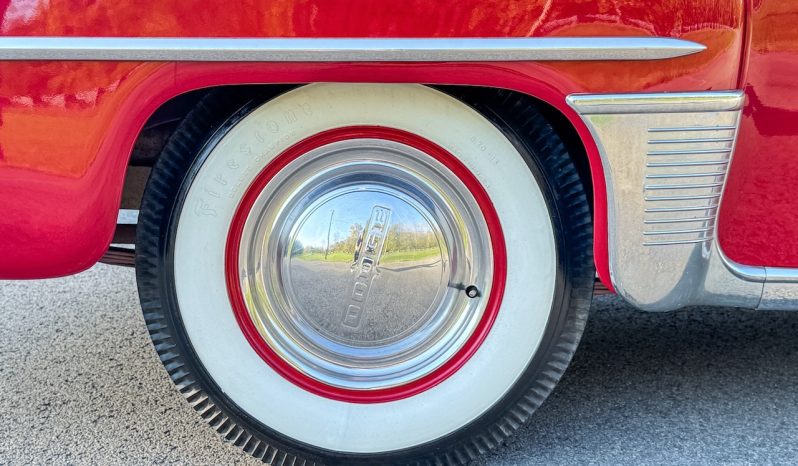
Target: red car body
{"x":67,"y":127}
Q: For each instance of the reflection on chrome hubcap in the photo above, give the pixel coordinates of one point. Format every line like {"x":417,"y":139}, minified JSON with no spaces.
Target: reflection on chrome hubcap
{"x":355,"y":260}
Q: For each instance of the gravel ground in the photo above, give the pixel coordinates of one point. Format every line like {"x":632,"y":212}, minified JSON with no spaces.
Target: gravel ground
{"x":80,"y":384}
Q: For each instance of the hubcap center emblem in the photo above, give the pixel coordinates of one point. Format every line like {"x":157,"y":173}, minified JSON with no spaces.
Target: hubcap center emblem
{"x":367,"y":259}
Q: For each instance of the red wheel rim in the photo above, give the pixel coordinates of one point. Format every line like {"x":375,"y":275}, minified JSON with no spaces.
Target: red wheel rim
{"x":288,"y":371}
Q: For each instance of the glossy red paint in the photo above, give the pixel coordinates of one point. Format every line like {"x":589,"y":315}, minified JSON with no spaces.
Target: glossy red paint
{"x":758,"y":222}
{"x":286,"y":369}
{"x":368,"y":18}
{"x":66,"y":129}
{"x":66,"y":227}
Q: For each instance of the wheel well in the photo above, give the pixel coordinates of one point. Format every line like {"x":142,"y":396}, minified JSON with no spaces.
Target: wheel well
{"x":559,"y":122}
{"x":149,"y":143}
{"x":165,"y":119}
{"x":153,"y":136}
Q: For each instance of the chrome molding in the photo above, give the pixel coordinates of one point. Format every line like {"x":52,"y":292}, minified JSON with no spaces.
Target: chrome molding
{"x":665,"y":158}
{"x":603,"y":104}
{"x":332,"y":50}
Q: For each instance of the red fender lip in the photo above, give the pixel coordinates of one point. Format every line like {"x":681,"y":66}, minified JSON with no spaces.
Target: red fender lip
{"x":75,"y":215}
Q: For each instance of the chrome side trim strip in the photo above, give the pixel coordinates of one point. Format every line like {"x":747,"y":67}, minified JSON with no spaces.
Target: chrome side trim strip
{"x":676,"y":220}
{"x":685,"y":175}
{"x":684,"y":241}
{"x":781,"y":289}
{"x":748,"y":273}
{"x":691,"y":151}
{"x":683,"y":141}
{"x":655,"y":187}
{"x":699,"y":163}
{"x":336,"y":49}
{"x":656,"y":262}
{"x":692,"y":128}
{"x":676,"y":232}
{"x":604,"y":104}
{"x":781,"y":275}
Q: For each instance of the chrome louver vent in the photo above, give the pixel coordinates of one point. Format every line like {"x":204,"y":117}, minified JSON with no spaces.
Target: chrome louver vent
{"x":665,"y":157}
{"x":685,"y":170}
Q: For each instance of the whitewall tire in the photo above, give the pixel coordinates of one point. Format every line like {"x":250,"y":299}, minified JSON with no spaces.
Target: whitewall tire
{"x":428,"y":334}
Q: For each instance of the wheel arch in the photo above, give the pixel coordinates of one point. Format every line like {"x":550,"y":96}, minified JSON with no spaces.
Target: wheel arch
{"x":563,"y":119}
{"x":172,"y":87}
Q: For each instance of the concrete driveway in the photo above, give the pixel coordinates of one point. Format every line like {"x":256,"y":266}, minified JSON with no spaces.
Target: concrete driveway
{"x":80,"y":384}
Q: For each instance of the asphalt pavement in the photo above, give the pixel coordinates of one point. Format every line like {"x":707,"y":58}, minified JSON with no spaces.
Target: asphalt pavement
{"x":80,"y":384}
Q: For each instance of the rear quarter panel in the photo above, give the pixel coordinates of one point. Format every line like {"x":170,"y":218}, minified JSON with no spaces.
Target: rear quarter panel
{"x":759,"y":217}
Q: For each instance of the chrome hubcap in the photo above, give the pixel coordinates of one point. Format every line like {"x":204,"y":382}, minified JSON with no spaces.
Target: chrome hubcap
{"x":365,"y":264}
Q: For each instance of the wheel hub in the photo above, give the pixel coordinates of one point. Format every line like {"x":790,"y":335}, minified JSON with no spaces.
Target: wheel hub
{"x":354,"y":263}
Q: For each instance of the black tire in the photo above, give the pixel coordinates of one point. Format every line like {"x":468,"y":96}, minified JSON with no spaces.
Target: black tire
{"x":548,"y":160}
